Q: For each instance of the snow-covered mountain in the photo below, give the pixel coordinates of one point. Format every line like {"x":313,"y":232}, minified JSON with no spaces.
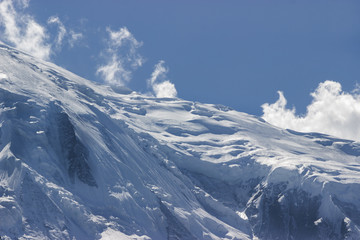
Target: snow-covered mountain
{"x":80,"y":160}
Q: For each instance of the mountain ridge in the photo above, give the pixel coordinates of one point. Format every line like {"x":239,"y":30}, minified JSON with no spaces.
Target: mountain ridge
{"x":88,"y":161}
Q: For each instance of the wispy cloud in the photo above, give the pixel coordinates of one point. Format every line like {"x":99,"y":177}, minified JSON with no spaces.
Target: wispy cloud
{"x":121,"y":57}
{"x":25,"y":33}
{"x":332,"y":111}
{"x":74,"y":37}
{"x":22,"y":30}
{"x":159,"y":84}
{"x":61,"y":32}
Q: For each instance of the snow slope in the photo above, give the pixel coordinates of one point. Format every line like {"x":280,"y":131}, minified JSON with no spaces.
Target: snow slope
{"x":87,"y":161}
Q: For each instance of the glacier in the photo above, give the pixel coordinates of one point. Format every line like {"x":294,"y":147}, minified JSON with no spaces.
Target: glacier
{"x":82,"y":160}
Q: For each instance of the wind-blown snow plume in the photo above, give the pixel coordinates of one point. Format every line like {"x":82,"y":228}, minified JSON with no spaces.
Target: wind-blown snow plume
{"x":62,"y":30}
{"x":63,"y":35}
{"x":161,"y":87}
{"x":121,"y":57}
{"x":332,"y":111}
{"x":22,"y":30}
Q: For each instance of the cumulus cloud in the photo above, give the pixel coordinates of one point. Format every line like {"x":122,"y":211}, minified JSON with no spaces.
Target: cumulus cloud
{"x":22,"y":30}
{"x":161,"y":87}
{"x":121,"y":57}
{"x":332,"y":111}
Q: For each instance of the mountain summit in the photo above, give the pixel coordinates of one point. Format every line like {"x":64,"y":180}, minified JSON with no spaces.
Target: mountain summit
{"x":80,"y":160}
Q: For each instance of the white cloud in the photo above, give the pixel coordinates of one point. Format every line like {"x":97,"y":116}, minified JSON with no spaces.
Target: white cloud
{"x":23,"y":3}
{"x":165,"y":89}
{"x":332,"y":111}
{"x":62,"y":30}
{"x":113,"y":72}
{"x":74,"y":37}
{"x":121,"y":57}
{"x":23,"y":31}
{"x":71,"y":37}
{"x":161,"y":87}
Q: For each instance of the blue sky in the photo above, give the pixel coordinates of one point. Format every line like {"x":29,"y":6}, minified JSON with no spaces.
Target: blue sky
{"x":235,"y":53}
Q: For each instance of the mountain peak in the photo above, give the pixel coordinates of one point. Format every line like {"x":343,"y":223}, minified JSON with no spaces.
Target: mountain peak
{"x":88,"y":161}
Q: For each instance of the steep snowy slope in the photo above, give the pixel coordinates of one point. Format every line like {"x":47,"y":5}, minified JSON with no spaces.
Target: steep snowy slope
{"x":87,"y":161}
